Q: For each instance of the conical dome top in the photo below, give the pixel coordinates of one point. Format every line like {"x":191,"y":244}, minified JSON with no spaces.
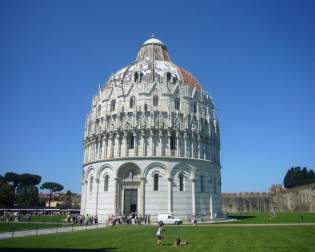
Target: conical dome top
{"x":153,"y":49}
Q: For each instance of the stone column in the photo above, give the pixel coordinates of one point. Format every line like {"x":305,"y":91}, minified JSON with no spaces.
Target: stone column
{"x":96,"y":201}
{"x":193,"y":196}
{"x":115,"y":195}
{"x":109,"y":146}
{"x":92,"y":150}
{"x":135,"y":135}
{"x":104,"y":146}
{"x":169,"y":151}
{"x":205,"y":146}
{"x":199,"y":144}
{"x":143,"y":142}
{"x":177,"y":143}
{"x":185,"y":143}
{"x":211,"y":208}
{"x":85,"y":194}
{"x":83,"y":198}
{"x":152,"y":142}
{"x":142,"y":196}
{"x":125,"y":143}
{"x":84,"y":155}
{"x":118,"y":144}
{"x":161,"y":142}
{"x":170,"y":196}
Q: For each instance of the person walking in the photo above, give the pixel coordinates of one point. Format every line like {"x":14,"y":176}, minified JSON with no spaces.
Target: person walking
{"x":159,"y":234}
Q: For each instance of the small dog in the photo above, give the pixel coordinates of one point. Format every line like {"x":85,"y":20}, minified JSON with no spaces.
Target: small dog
{"x":178,"y":242}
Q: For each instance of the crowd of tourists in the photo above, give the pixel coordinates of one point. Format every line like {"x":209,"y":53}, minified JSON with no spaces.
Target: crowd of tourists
{"x":26,"y":216}
{"x":129,"y":219}
{"x":82,"y":219}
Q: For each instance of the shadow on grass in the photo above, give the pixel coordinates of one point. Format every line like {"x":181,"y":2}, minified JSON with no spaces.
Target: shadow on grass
{"x":56,"y":250}
{"x":242,"y":217}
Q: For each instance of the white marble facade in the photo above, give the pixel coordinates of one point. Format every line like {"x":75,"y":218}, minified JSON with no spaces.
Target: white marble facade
{"x":151,"y":142}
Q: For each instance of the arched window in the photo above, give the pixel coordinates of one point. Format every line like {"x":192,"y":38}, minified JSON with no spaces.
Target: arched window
{"x":106,"y":178}
{"x":202,"y":188}
{"x":155,"y":100}
{"x":177,"y":103}
{"x":156,"y":182}
{"x":214,"y":185}
{"x":136,"y":77}
{"x":168,"y":77}
{"x":145,"y":107}
{"x":91,"y":184}
{"x":131,"y":141}
{"x":99,"y":108}
{"x":173,"y":141}
{"x":112,"y":105}
{"x":181,"y":182}
{"x":132,"y":102}
{"x":174,"y":79}
{"x":195,"y":107}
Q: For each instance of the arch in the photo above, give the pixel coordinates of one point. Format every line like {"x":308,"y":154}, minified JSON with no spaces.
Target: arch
{"x":112,"y":105}
{"x":102,"y":168}
{"x":168,"y":77}
{"x":131,"y":102}
{"x":128,"y":169}
{"x":135,"y":77}
{"x":155,"y":100}
{"x":155,"y":165}
{"x":177,"y":103}
{"x":89,"y":171}
{"x":187,"y":169}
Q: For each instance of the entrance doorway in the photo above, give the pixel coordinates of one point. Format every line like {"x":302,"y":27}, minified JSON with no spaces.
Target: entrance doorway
{"x":130,"y":200}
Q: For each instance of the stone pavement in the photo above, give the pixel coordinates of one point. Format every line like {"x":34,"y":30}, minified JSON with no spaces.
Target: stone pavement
{"x":7,"y":235}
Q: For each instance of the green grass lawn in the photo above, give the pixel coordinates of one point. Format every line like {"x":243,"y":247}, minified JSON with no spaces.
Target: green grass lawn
{"x":10,"y":226}
{"x":142,"y":238}
{"x":47,"y":218}
{"x":253,"y":218}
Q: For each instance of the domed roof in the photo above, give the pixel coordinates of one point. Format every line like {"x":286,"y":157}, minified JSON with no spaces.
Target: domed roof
{"x":153,"y":41}
{"x":154,"y":62}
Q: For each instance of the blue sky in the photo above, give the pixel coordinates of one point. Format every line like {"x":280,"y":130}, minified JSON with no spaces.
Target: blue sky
{"x":257,"y":59}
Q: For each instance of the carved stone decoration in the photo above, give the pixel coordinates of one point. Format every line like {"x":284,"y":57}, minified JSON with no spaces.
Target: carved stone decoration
{"x":193,"y":125}
{"x":126,"y":123}
{"x":177,"y":123}
{"x":142,"y":123}
{"x":160,"y":122}
{"x":111,"y":125}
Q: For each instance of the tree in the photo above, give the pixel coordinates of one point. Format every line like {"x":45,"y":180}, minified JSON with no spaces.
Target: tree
{"x":6,"y":194}
{"x":27,"y":191}
{"x":67,"y":199}
{"x":296,"y":176}
{"x":52,"y":187}
{"x":13,"y":179}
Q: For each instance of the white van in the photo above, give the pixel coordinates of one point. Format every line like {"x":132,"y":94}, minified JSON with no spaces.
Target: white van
{"x":169,"y":219}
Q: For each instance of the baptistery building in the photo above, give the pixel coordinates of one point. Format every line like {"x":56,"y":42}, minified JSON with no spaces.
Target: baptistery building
{"x":152,"y":142}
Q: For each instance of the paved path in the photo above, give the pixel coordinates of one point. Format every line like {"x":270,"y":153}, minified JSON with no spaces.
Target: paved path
{"x":8,"y":235}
